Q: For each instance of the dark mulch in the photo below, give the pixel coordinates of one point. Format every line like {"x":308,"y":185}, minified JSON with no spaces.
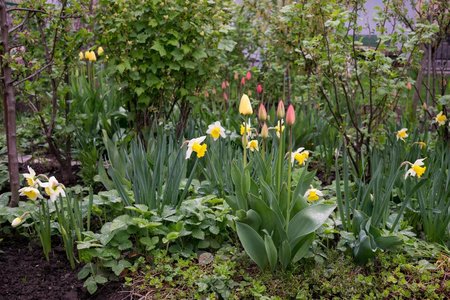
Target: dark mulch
{"x":26,"y":274}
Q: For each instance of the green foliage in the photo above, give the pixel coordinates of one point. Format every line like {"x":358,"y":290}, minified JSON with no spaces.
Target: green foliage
{"x":163,"y":50}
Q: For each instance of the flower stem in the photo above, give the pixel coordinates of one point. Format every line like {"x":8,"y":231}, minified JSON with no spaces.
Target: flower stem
{"x":288,"y":213}
{"x":280,"y":159}
{"x":244,"y":142}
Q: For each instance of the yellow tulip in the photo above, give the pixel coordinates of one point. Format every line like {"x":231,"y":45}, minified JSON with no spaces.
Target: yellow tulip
{"x":245,"y":107}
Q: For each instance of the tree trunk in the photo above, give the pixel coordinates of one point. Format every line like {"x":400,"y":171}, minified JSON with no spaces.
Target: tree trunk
{"x":9,"y":107}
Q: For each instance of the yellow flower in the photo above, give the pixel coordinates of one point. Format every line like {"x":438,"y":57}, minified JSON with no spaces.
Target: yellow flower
{"x":440,"y":119}
{"x":30,"y":177}
{"x":86,"y":54}
{"x":81,"y":55}
{"x":195,"y":145}
{"x":100,"y":51}
{"x":421,"y":144}
{"x":416,"y":168}
{"x":313,"y":194}
{"x":92,"y":56}
{"x":253,"y":145}
{"x":30,"y":192}
{"x":247,"y":128}
{"x":245,"y":107}
{"x":277,"y":128}
{"x":401,"y":134}
{"x":53,"y":188}
{"x":216,"y":130}
{"x":300,"y":156}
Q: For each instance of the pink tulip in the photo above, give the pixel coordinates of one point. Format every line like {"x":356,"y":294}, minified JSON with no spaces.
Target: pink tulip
{"x":290,"y":115}
{"x":259,"y":89}
{"x":243,"y":80}
{"x":249,"y":76}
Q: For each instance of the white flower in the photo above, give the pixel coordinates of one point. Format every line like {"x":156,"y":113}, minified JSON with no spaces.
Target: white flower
{"x":30,"y":192}
{"x":53,"y":188}
{"x":253,"y":145}
{"x":401,"y":134}
{"x":16,"y":222}
{"x":277,"y":128}
{"x":30,"y":177}
{"x":300,"y":156}
{"x":416,"y":168}
{"x":440,"y":118}
{"x":195,"y":145}
{"x":313,"y":194}
{"x":216,"y":130}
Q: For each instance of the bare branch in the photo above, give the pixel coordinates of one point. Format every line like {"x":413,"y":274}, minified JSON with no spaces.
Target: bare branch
{"x":33,"y":74}
{"x":26,"y":9}
{"x":21,"y":23}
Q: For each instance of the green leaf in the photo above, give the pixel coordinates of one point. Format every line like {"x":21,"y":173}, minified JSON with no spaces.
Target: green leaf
{"x":309,"y":220}
{"x":198,"y":234}
{"x":302,"y":247}
{"x":100,"y":279}
{"x":199,"y":53}
{"x":285,"y":254}
{"x":158,"y":47}
{"x":271,"y":251}
{"x":252,"y":243}
{"x":227,"y":45}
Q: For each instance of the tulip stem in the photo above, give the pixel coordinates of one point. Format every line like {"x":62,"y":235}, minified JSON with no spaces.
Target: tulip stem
{"x":280,"y":158}
{"x":288,"y":207}
{"x":244,"y":142}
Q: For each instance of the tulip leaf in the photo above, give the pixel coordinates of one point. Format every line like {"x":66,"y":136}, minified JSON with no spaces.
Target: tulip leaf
{"x":285,"y":254}
{"x":309,"y":220}
{"x":271,"y":251}
{"x":252,"y":243}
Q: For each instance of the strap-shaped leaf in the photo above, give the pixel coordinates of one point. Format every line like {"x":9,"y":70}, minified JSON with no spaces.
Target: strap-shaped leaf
{"x":309,"y":220}
{"x":252,"y":243}
{"x":272,"y":253}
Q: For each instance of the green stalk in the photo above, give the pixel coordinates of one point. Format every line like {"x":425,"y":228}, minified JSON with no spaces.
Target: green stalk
{"x":280,"y":159}
{"x":289,"y":179}
{"x":264,"y":148}
{"x":244,"y":142}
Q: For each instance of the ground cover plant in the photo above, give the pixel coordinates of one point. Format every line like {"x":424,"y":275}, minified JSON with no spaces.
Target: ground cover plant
{"x":212,"y":149}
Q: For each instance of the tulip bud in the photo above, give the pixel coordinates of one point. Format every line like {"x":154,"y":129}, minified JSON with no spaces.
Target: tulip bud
{"x":81,"y":55}
{"x":100,"y":51}
{"x":227,"y":83}
{"x":245,"y":107}
{"x":425,"y":107}
{"x":214,"y":91}
{"x":262,"y":113}
{"x":290,"y":115}
{"x":225,"y":97}
{"x":16,"y":222}
{"x":280,"y":110}
{"x":206,"y":94}
{"x":249,"y":76}
{"x":86,"y":54}
{"x":224,"y":86}
{"x":236,"y":76}
{"x":259,"y":89}
{"x":408,"y":85}
{"x":243,"y":80}
{"x":264,"y":131}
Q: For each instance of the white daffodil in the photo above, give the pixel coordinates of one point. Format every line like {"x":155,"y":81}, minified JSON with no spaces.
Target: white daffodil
{"x":195,"y":145}
{"x":300,"y":156}
{"x":416,"y":168}
{"x":53,"y":188}
{"x":278,"y":129}
{"x":16,"y":222}
{"x":253,"y":145}
{"x":313,"y":194}
{"x":401,"y":134}
{"x":30,"y":192}
{"x":246,"y":128}
{"x":216,"y":130}
{"x":30,"y":177}
{"x":440,"y":119}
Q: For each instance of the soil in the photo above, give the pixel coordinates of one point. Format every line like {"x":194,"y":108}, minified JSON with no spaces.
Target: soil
{"x":26,"y":274}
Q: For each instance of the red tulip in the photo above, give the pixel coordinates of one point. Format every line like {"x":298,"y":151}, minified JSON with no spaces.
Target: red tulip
{"x":259,"y":88}
{"x":243,"y":80}
{"x":249,"y":76}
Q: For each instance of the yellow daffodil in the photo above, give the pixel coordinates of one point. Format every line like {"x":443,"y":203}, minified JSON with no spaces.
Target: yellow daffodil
{"x":421,"y":144}
{"x":277,"y":128}
{"x":196,"y":146}
{"x":313,"y":194}
{"x":253,"y":145}
{"x":246,"y":129}
{"x":401,"y":134}
{"x":30,"y":192}
{"x":100,"y":51}
{"x":440,"y":119}
{"x":30,"y":177}
{"x":300,"y":156}
{"x":416,"y":168}
{"x":216,"y":130}
{"x":245,"y":107}
{"x":53,"y":188}
{"x":81,"y":55}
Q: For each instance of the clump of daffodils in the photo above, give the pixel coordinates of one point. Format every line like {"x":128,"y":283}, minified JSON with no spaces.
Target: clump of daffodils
{"x":417,"y":168}
{"x":52,"y":187}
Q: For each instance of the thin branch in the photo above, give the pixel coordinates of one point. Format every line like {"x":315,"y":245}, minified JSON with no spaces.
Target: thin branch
{"x":33,"y":74}
{"x":26,"y":9}
{"x":21,"y":23}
